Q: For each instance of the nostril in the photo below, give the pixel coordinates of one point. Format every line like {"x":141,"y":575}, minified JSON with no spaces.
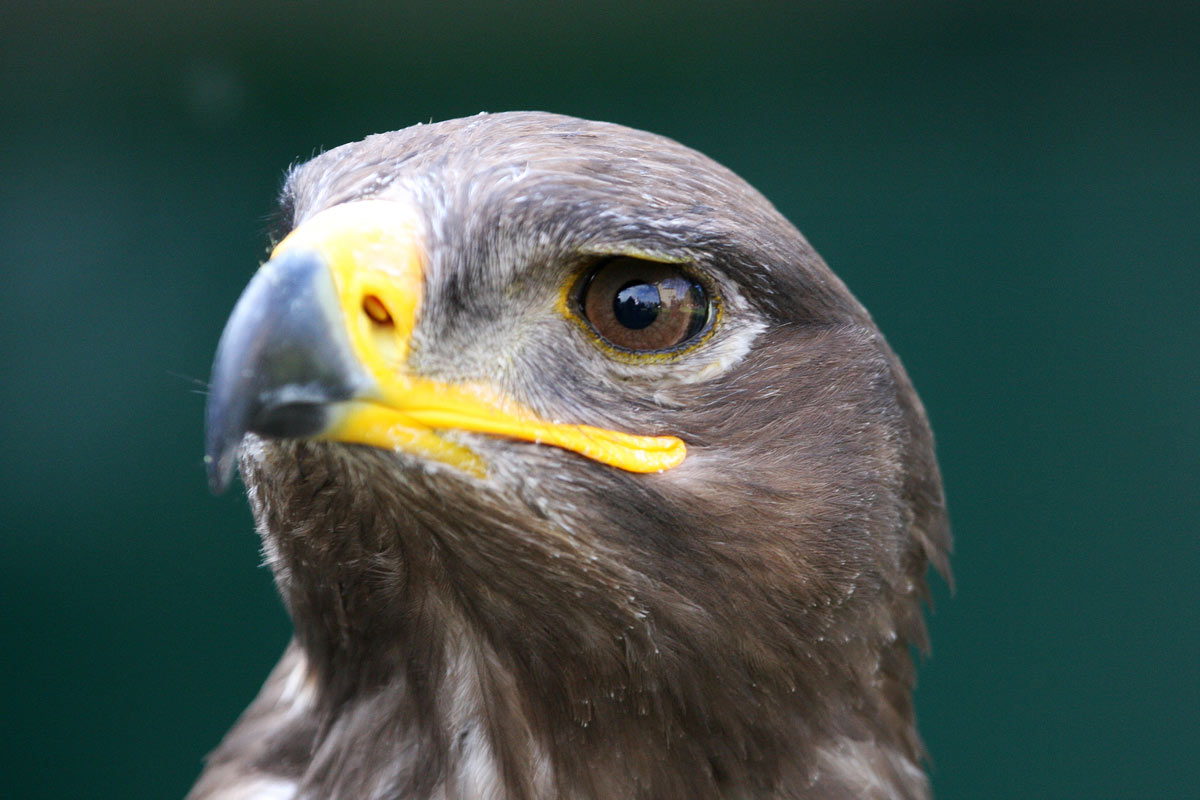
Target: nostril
{"x":374,"y":308}
{"x":380,"y":335}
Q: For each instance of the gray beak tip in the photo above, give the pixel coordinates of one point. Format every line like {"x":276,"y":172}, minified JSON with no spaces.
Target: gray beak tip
{"x":220,"y":471}
{"x":284,"y":358}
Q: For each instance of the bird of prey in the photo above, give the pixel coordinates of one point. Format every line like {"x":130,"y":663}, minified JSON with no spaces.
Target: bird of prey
{"x":581,"y":476}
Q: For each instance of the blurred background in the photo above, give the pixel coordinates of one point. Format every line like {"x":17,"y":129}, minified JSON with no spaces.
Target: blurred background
{"x":1013,"y":189}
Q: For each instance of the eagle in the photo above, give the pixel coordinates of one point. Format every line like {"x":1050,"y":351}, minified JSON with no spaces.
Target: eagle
{"x":580,"y":475}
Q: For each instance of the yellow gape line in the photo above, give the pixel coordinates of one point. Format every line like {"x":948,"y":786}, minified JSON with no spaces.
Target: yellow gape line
{"x":373,"y":250}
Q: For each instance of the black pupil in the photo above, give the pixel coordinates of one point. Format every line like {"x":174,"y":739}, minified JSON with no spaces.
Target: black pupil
{"x":637,"y":304}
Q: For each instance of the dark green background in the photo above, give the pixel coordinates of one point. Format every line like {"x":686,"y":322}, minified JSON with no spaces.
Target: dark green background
{"x":1014,"y":190}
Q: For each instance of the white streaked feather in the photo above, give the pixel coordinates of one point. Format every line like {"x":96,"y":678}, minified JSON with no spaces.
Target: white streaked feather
{"x":260,"y":787}
{"x":857,"y":764}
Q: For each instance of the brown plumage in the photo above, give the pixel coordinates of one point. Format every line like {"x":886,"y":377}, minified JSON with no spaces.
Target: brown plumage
{"x":737,"y":626}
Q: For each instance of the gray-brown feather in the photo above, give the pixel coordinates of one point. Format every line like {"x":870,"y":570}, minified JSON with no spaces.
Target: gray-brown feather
{"x":738,"y":626}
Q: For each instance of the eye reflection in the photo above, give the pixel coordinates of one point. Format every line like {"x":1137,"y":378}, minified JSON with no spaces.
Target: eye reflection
{"x":636,"y":305}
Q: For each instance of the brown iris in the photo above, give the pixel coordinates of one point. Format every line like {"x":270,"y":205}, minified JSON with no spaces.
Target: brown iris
{"x":644,"y":306}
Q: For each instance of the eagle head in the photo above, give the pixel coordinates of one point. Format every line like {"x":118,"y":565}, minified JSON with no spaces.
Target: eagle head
{"x":580,"y":474}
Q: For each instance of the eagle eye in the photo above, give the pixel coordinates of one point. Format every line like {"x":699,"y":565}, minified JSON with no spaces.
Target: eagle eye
{"x":644,"y":306}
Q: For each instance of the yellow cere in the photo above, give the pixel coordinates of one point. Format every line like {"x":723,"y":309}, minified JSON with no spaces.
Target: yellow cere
{"x":373,"y":248}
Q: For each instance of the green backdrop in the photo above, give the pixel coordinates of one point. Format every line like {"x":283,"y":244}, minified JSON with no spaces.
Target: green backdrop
{"x":1012,"y":189}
